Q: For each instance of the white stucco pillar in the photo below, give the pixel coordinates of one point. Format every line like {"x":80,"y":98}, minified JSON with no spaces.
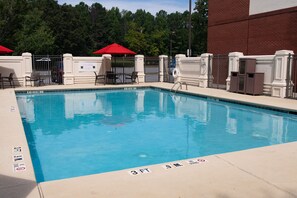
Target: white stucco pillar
{"x":279,"y":84}
{"x":205,"y":69}
{"x":233,"y":66}
{"x":162,"y":66}
{"x":178,"y":58}
{"x":139,"y":67}
{"x":106,"y":64}
{"x":68,"y":77}
{"x":26,"y":67}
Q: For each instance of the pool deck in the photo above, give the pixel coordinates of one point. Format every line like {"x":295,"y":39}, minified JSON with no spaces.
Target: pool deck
{"x":262,"y":172}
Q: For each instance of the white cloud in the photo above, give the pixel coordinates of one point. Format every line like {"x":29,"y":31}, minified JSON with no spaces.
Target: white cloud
{"x":152,"y":6}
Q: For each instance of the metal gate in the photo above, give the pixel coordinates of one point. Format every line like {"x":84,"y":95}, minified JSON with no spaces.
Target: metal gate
{"x":49,"y":67}
{"x":123,"y":65}
{"x":292,"y":79}
{"x":151,"y":69}
{"x":171,"y":64}
{"x":168,"y":66}
{"x":219,"y":71}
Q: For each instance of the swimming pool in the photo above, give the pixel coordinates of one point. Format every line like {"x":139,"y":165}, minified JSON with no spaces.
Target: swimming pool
{"x":77,"y":133}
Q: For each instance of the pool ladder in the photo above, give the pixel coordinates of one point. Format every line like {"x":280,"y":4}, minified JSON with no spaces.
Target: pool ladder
{"x":179,"y":85}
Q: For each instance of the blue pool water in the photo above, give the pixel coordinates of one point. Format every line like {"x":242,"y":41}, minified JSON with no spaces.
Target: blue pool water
{"x":87,"y":132}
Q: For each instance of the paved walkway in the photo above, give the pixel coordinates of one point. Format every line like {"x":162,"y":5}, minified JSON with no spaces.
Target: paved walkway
{"x":262,"y":172}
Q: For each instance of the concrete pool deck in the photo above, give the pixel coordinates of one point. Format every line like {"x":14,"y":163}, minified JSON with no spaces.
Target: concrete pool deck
{"x":262,"y":172}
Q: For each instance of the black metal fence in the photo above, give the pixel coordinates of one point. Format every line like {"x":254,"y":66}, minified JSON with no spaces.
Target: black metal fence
{"x":122,"y":65}
{"x":151,"y":69}
{"x":291,"y":91}
{"x":49,"y":67}
{"x":219,"y":71}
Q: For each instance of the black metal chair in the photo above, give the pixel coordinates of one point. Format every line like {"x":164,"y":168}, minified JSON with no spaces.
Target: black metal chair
{"x":132,"y":77}
{"x":111,"y":77}
{"x":8,"y":79}
{"x":34,"y":78}
{"x":99,"y":77}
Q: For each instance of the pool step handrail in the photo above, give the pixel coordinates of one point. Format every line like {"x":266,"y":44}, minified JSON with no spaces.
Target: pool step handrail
{"x":180,"y":85}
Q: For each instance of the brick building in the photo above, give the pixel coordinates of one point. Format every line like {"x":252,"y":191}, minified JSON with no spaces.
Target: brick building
{"x":252,"y":26}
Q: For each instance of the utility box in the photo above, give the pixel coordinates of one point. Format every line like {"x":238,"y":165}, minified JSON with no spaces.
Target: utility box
{"x":247,"y":65}
{"x":234,"y":82}
{"x":241,"y":83}
{"x":254,"y":83}
{"x":246,"y":80}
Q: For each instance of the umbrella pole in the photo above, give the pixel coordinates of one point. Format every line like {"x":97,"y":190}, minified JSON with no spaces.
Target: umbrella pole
{"x":123,"y":75}
{"x":115,"y":60}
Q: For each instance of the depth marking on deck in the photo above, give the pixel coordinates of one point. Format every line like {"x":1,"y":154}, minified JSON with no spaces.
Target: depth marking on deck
{"x":17,"y":149}
{"x":168,"y":166}
{"x":196,"y":161}
{"x":18,"y":159}
{"x":12,"y":109}
{"x":19,"y":167}
{"x":140,"y":171}
{"x":172,"y":165}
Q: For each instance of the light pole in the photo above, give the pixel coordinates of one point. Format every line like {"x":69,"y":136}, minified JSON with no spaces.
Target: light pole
{"x":170,"y":50}
{"x":189,"y":51}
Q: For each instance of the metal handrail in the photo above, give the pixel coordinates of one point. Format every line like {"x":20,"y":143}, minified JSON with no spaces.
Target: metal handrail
{"x":180,"y":85}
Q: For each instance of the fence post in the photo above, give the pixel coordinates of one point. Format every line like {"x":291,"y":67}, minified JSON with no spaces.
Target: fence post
{"x":289,"y":74}
{"x":233,"y":66}
{"x":68,"y":77}
{"x":26,"y":65}
{"x":279,"y":83}
{"x":205,"y":77}
{"x":139,"y":67}
{"x":161,"y":67}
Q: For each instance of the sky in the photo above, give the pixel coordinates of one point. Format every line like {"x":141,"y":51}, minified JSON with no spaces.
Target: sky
{"x":152,"y":6}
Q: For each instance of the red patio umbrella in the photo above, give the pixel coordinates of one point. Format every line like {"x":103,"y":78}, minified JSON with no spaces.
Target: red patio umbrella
{"x":4,"y":50}
{"x":114,"y":49}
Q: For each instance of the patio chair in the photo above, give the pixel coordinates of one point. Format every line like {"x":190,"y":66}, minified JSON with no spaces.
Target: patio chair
{"x":99,"y":77}
{"x":8,"y":79}
{"x":34,"y":78}
{"x":111,"y":77}
{"x":132,"y":77}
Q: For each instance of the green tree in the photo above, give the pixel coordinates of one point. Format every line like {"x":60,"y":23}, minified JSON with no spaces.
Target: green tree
{"x":113,"y":25}
{"x":200,"y":21}
{"x":74,"y":31}
{"x":44,"y":26}
{"x":98,"y":30}
{"x":161,"y":34}
{"x":127,"y":18}
{"x":135,"y":39}
{"x":34,"y":36}
{"x":11,"y":15}
{"x":178,"y":29}
{"x":144,"y":20}
{"x":82,"y":30}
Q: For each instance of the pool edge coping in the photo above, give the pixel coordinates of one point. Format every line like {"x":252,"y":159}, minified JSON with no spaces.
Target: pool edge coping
{"x":166,"y":88}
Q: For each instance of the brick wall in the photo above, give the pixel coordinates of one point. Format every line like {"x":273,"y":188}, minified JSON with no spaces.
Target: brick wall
{"x":227,"y":26}
{"x":229,"y":37}
{"x":225,"y":11}
{"x":273,"y":32}
{"x":230,"y":29}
